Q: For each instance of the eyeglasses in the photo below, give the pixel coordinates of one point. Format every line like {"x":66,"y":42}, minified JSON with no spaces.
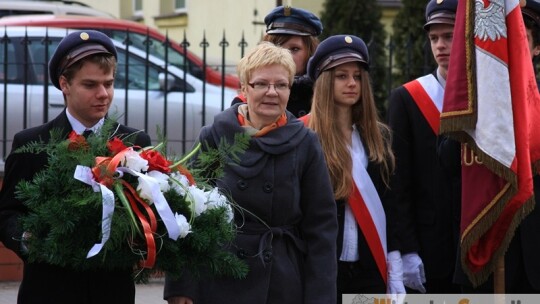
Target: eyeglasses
{"x":262,"y":86}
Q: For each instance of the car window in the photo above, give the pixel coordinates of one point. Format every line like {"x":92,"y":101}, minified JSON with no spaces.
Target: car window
{"x":12,"y":59}
{"x":39,"y":56}
{"x":136,"y":69}
{"x":9,"y":69}
{"x":156,"y":47}
{"x":12,"y":12}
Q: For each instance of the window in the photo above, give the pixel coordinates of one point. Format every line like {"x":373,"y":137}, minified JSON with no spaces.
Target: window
{"x":137,"y":7}
{"x":179,"y":5}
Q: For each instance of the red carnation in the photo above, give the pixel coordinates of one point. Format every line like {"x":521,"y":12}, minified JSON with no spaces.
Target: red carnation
{"x":77,"y":142}
{"x":156,"y":161}
{"x":116,"y":145}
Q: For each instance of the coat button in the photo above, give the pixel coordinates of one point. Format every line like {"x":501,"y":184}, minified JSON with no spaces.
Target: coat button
{"x":241,"y":184}
{"x":267,"y":256}
{"x":268,"y":187}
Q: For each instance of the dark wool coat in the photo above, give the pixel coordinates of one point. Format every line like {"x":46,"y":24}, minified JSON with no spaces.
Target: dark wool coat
{"x":44,"y":283}
{"x":421,"y":190}
{"x":290,"y":243}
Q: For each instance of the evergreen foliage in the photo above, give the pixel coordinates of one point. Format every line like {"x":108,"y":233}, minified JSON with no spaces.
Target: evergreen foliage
{"x":362,"y":19}
{"x":412,"y":51}
{"x":65,"y":221}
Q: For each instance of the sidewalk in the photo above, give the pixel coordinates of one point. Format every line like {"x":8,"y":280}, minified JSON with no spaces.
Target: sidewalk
{"x":151,"y":293}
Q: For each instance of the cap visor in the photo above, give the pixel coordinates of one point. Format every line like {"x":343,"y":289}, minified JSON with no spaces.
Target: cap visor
{"x":284,"y":31}
{"x":341,"y":61}
{"x":85,"y":51}
{"x":441,"y":17}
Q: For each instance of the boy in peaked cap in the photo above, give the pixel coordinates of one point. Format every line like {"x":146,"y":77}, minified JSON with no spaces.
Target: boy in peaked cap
{"x":428,"y":232}
{"x":82,"y":67}
{"x":295,"y":29}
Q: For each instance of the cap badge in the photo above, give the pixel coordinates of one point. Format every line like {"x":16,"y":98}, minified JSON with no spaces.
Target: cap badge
{"x":287,"y":11}
{"x":439,"y":1}
{"x":84,"y":36}
{"x":348,"y":39}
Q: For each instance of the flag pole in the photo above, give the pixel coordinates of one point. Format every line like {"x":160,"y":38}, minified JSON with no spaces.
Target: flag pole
{"x":498,"y":276}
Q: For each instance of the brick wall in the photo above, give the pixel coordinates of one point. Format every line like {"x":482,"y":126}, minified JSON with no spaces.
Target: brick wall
{"x":10,"y":265}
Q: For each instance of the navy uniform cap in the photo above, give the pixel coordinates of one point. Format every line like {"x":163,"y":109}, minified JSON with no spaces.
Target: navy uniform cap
{"x":532,"y":10}
{"x":440,"y":12}
{"x":76,"y":46}
{"x":292,"y":21}
{"x":336,"y":50}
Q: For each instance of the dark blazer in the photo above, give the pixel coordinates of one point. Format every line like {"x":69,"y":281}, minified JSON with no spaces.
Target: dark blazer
{"x":420,"y":189}
{"x":44,"y":283}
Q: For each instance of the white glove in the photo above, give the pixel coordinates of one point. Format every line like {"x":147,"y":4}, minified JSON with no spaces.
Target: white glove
{"x":395,"y":289}
{"x":413,"y":272}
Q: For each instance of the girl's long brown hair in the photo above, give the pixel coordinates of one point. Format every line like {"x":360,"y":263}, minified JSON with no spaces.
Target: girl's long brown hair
{"x":376,"y":136}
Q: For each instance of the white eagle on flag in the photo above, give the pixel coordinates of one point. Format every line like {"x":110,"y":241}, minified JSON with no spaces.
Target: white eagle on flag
{"x":490,"y":20}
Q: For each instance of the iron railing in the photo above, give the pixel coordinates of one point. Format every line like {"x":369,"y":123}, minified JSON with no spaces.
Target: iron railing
{"x":21,"y":80}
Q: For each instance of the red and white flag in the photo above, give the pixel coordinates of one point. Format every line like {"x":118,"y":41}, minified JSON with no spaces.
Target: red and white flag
{"x":492,"y":106}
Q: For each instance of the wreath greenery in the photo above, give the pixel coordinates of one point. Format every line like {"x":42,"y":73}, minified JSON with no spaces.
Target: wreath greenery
{"x":66,"y":216}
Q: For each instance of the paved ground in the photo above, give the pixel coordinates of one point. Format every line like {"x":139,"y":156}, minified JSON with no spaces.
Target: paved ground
{"x":151,"y":293}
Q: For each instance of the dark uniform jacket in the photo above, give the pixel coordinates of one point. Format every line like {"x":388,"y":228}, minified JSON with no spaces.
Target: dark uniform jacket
{"x":420,"y":189}
{"x":44,"y":283}
{"x":290,"y":246}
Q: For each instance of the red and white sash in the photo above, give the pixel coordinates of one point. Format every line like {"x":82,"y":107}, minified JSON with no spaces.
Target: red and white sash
{"x":367,"y":206}
{"x":428,"y":95}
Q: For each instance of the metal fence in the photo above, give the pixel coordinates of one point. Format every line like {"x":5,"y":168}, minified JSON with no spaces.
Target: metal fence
{"x":151,"y":93}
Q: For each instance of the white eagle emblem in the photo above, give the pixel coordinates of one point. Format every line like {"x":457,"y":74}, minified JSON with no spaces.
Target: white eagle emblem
{"x":490,"y":21}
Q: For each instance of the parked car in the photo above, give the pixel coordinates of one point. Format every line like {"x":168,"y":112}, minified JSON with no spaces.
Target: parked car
{"x":149,"y":95}
{"x":21,"y":7}
{"x":119,"y":29}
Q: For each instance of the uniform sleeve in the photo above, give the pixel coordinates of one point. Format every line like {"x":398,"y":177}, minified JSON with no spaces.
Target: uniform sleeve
{"x":401,"y":197}
{"x":319,"y":228}
{"x":143,"y":139}
{"x":18,"y":167}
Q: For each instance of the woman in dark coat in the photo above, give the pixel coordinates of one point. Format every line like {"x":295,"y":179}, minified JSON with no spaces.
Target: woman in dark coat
{"x":287,"y":233}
